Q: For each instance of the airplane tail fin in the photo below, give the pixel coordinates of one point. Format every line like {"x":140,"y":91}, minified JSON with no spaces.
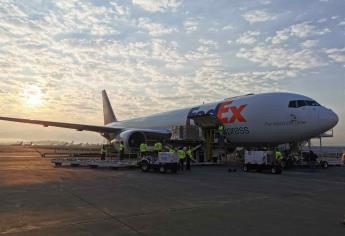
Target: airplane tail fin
{"x":108,"y":112}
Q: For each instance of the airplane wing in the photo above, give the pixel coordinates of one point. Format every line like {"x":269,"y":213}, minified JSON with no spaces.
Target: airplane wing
{"x":83,"y":127}
{"x":79,"y":127}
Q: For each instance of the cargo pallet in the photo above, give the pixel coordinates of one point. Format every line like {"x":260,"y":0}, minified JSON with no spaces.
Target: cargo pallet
{"x":112,"y":164}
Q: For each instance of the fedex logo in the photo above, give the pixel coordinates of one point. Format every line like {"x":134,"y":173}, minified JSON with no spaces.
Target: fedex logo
{"x":225,"y":112}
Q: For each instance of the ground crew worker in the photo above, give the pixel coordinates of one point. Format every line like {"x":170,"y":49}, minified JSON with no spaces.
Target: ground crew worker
{"x":157,"y":148}
{"x":181,"y":155}
{"x":221,"y":134}
{"x":122,"y":150}
{"x":143,"y":149}
{"x":278,"y":156}
{"x":189,"y":156}
{"x":221,"y":129}
{"x":103,"y":152}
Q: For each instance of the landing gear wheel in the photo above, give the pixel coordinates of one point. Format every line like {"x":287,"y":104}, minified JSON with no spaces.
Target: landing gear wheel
{"x":162,"y":169}
{"x":145,"y":166}
{"x":274,"y":170}
{"x":324,"y":164}
{"x":174,"y":169}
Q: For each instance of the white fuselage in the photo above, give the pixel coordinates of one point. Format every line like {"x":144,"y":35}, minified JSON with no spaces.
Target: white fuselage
{"x":261,"y":119}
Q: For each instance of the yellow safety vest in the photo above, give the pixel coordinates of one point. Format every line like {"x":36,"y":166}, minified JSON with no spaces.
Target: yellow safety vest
{"x":143,"y":147}
{"x":181,"y":154}
{"x":189,"y":154}
{"x":158,"y":147}
{"x":279,"y":155}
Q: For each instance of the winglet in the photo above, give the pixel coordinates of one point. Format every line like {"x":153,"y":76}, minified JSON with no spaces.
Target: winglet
{"x":108,"y":112}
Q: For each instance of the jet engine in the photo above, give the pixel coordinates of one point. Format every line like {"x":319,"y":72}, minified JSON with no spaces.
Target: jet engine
{"x":133,"y":138}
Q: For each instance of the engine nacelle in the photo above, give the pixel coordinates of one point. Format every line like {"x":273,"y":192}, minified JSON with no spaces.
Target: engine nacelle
{"x":132,"y":139}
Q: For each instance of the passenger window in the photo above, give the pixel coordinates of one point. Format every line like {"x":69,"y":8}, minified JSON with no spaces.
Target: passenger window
{"x":300,"y":103}
{"x":293,"y":104}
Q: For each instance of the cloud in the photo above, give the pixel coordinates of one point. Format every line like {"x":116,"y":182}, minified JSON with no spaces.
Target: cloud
{"x":301,"y":30}
{"x":336,"y":54}
{"x":255,"y":16}
{"x":191,"y":25}
{"x":228,"y":27}
{"x":280,"y":57}
{"x":209,"y":43}
{"x":248,"y":37}
{"x":341,"y":23}
{"x":322,"y":20}
{"x":155,"y":29}
{"x":158,"y":5}
{"x":310,"y":43}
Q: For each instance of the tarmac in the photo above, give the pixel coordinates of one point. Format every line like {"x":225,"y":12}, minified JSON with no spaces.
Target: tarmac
{"x":37,"y":198}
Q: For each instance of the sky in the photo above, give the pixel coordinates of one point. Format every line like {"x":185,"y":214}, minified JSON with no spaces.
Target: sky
{"x":157,"y":55}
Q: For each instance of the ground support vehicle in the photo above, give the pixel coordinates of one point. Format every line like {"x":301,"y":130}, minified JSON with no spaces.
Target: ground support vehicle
{"x":166,"y":161}
{"x":260,"y":161}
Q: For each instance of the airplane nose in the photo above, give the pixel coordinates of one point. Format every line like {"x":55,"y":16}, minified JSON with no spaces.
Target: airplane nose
{"x":334,"y":118}
{"x":328,"y":118}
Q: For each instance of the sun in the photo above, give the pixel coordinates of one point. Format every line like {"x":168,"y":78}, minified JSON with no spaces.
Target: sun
{"x":32,"y":96}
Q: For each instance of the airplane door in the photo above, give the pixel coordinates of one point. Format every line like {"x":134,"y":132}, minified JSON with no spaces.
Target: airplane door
{"x":303,"y":112}
{"x":311,"y":113}
{"x":297,"y":111}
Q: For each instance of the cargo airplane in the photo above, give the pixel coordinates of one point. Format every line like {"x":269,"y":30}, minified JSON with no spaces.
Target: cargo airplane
{"x":250,"y":120}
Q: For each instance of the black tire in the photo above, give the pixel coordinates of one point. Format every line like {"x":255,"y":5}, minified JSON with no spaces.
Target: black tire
{"x":58,"y":164}
{"x":274,"y":170}
{"x":245,"y":168}
{"x":162,"y":169}
{"x":324,"y":164}
{"x":144,"y":166}
{"x":283,"y":164}
{"x":174,"y":168}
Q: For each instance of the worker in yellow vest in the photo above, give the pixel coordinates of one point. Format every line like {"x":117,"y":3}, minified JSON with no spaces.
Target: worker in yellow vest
{"x":157,"y":148}
{"x":181,"y":156}
{"x":122,"y":150}
{"x":103,"y":152}
{"x":189,"y":156}
{"x":143,"y":150}
{"x":278,"y":156}
{"x":221,"y":129}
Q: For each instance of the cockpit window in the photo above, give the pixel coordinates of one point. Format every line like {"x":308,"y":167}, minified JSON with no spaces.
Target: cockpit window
{"x":293,"y":104}
{"x":312,"y":103}
{"x":302,"y":103}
